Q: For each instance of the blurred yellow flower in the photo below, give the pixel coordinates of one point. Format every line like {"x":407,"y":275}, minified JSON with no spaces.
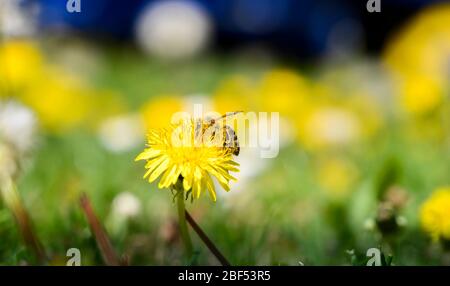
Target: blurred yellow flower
{"x":20,"y":64}
{"x":279,"y":90}
{"x":435,"y":214}
{"x":283,"y":91}
{"x":158,"y":112}
{"x":420,"y":94}
{"x":234,"y":93}
{"x":60,"y":101}
{"x":177,"y":155}
{"x":336,"y":176}
{"x":424,"y":44}
{"x":418,"y":58}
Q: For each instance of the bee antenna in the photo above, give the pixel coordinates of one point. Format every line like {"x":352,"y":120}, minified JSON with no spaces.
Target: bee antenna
{"x":230,"y":114}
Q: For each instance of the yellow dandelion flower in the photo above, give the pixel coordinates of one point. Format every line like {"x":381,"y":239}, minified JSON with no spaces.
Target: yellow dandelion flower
{"x":178,"y":155}
{"x":60,"y":102}
{"x":21,"y":63}
{"x":420,"y":94}
{"x":284,"y":91}
{"x":234,"y":93}
{"x":336,"y":176}
{"x":418,"y":58}
{"x":435,"y":214}
{"x":423,"y":45}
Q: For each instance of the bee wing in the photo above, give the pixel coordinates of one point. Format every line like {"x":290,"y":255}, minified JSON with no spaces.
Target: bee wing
{"x":226,"y":116}
{"x":231,"y":139}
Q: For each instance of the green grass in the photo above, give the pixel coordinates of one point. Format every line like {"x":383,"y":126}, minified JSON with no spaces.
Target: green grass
{"x":281,"y":218}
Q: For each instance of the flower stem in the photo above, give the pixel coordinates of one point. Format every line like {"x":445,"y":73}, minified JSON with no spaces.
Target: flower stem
{"x":13,"y":201}
{"x":106,"y":249}
{"x":214,"y":250}
{"x":183,"y":226}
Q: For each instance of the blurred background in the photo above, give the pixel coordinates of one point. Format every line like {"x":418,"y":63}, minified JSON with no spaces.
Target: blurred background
{"x":364,"y":141}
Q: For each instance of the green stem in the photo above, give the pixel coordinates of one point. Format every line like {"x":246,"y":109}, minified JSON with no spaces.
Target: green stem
{"x":183,"y":226}
{"x":13,"y":201}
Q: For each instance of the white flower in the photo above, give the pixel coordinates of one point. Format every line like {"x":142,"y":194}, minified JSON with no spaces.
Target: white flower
{"x":121,"y":133}
{"x":334,"y":126}
{"x":173,"y":29}
{"x":17,"y":136}
{"x":15,"y":19}
{"x":17,"y":126}
{"x":126,"y":205}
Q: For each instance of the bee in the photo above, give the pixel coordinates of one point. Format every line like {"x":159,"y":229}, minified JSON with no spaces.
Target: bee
{"x":217,"y":127}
